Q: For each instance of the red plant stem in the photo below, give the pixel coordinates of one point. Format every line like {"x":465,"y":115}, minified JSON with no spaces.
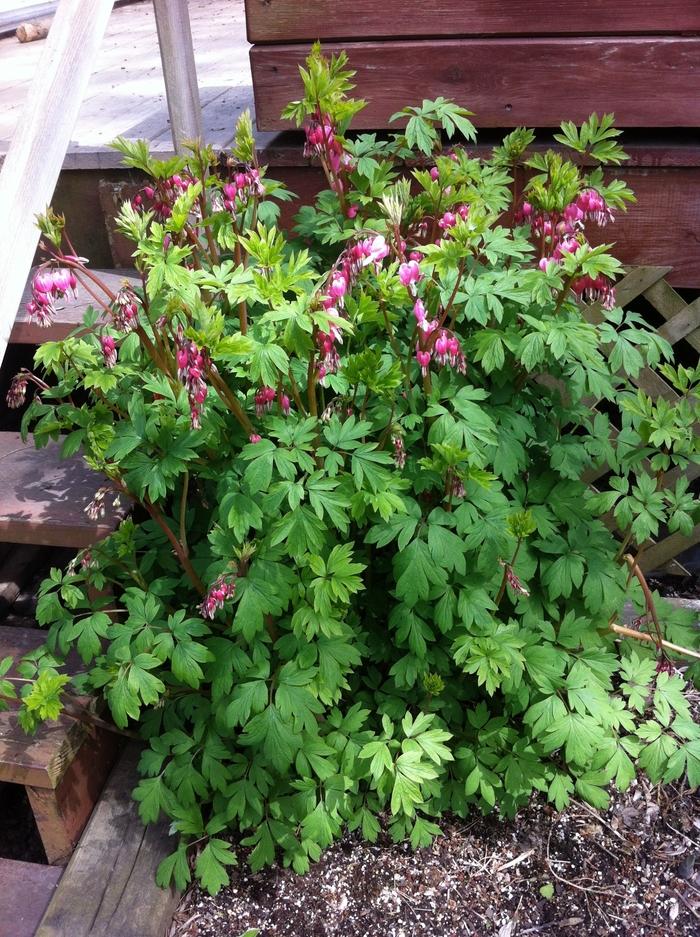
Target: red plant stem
{"x":648,"y":598}
{"x":229,"y":399}
{"x":92,"y":293}
{"x":564,"y":290}
{"x":75,"y":265}
{"x":177,"y":546}
{"x":508,"y":566}
{"x":157,"y":516}
{"x":311,"y":387}
{"x":295,"y":393}
{"x":453,"y":294}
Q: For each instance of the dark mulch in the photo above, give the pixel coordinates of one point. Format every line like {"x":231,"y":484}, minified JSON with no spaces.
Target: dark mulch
{"x":633,"y":871}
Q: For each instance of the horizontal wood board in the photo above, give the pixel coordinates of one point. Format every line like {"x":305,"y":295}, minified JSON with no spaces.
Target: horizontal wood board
{"x":39,"y":760}
{"x":108,"y":888}
{"x":126,"y":93}
{"x":25,"y":891}
{"x":295,"y":21}
{"x":647,"y":82}
{"x":43,"y":497}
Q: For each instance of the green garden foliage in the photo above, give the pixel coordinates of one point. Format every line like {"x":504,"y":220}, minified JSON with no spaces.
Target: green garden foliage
{"x":363,"y":578}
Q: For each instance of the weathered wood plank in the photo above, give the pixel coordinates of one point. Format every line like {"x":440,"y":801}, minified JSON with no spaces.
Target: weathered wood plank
{"x":539,"y":82}
{"x":683,"y":325}
{"x":69,"y":315}
{"x":179,"y":70}
{"x":62,"y":812}
{"x":635,"y":282}
{"x":43,"y":497}
{"x":669,"y":194}
{"x":42,"y":759}
{"x":25,"y":891}
{"x":660,"y":553}
{"x":108,"y":887}
{"x":292,"y":21}
{"x":34,"y":159}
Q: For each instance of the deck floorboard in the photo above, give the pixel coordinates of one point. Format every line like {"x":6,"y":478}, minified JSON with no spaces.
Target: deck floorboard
{"x":126,"y":94}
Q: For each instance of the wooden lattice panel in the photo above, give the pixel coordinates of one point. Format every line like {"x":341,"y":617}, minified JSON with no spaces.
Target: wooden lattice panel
{"x":682,"y":324}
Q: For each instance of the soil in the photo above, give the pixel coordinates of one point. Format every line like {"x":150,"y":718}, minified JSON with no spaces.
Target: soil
{"x":632,"y":871}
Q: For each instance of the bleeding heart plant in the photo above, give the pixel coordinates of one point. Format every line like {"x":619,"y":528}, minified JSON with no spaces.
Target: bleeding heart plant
{"x":364,"y":576}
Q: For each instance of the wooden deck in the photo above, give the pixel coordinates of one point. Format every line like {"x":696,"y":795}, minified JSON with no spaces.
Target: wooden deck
{"x":126,"y":94}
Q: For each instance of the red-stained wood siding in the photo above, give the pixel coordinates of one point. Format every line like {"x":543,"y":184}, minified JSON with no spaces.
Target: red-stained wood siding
{"x":646,"y":82}
{"x":306,"y":20}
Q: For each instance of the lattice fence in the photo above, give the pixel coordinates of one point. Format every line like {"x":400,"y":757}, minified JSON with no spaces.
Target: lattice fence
{"x":682,"y":324}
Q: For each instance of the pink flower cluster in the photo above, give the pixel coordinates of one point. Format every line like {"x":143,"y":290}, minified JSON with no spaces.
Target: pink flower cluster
{"x":264,"y":399}
{"x":48,"y":285}
{"x":243,"y":184}
{"x":589,"y":205}
{"x":17,"y":393}
{"x":450,"y":218}
{"x":219,"y":592}
{"x":563,"y":235}
{"x":109,"y":350}
{"x":399,"y":451}
{"x":512,"y":580}
{"x":322,"y":141}
{"x":191,"y":363}
{"x":163,"y":195}
{"x":125,"y":310}
{"x":369,"y":251}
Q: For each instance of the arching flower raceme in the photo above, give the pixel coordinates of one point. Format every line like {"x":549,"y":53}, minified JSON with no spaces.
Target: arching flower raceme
{"x":48,"y":285}
{"x":399,"y":451}
{"x":191,"y":364}
{"x":109,"y":350}
{"x":219,"y":592}
{"x":264,"y":398}
{"x":125,"y":309}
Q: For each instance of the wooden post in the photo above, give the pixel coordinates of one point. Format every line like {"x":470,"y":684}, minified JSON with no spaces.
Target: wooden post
{"x":179,"y":70}
{"x":38,"y":147}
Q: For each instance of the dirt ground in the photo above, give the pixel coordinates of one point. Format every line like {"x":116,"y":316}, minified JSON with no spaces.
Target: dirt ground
{"x":633,"y":871}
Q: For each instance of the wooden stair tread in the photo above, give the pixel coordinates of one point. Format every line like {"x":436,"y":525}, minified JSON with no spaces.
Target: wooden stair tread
{"x":108,"y":888}
{"x":38,"y":760}
{"x":68,"y":316}
{"x":43,"y":497}
{"x":26,"y":888}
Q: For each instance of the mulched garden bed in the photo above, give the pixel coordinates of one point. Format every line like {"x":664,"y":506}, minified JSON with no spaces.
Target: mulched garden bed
{"x":633,"y":871}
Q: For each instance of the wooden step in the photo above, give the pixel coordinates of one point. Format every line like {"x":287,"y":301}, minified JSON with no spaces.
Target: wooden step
{"x":38,"y":760}
{"x":108,"y":888}
{"x":63,"y":766}
{"x":25,"y":891}
{"x":70,"y":312}
{"x":43,"y":497}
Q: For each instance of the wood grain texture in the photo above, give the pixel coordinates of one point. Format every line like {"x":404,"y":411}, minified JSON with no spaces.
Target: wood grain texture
{"x":62,"y":812}
{"x":108,"y":887}
{"x":506,"y":82}
{"x":42,"y":759}
{"x":295,"y":21}
{"x":25,"y":891}
{"x":43,"y":497}
{"x":179,"y":70}
{"x":36,"y":153}
{"x":126,"y":93}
